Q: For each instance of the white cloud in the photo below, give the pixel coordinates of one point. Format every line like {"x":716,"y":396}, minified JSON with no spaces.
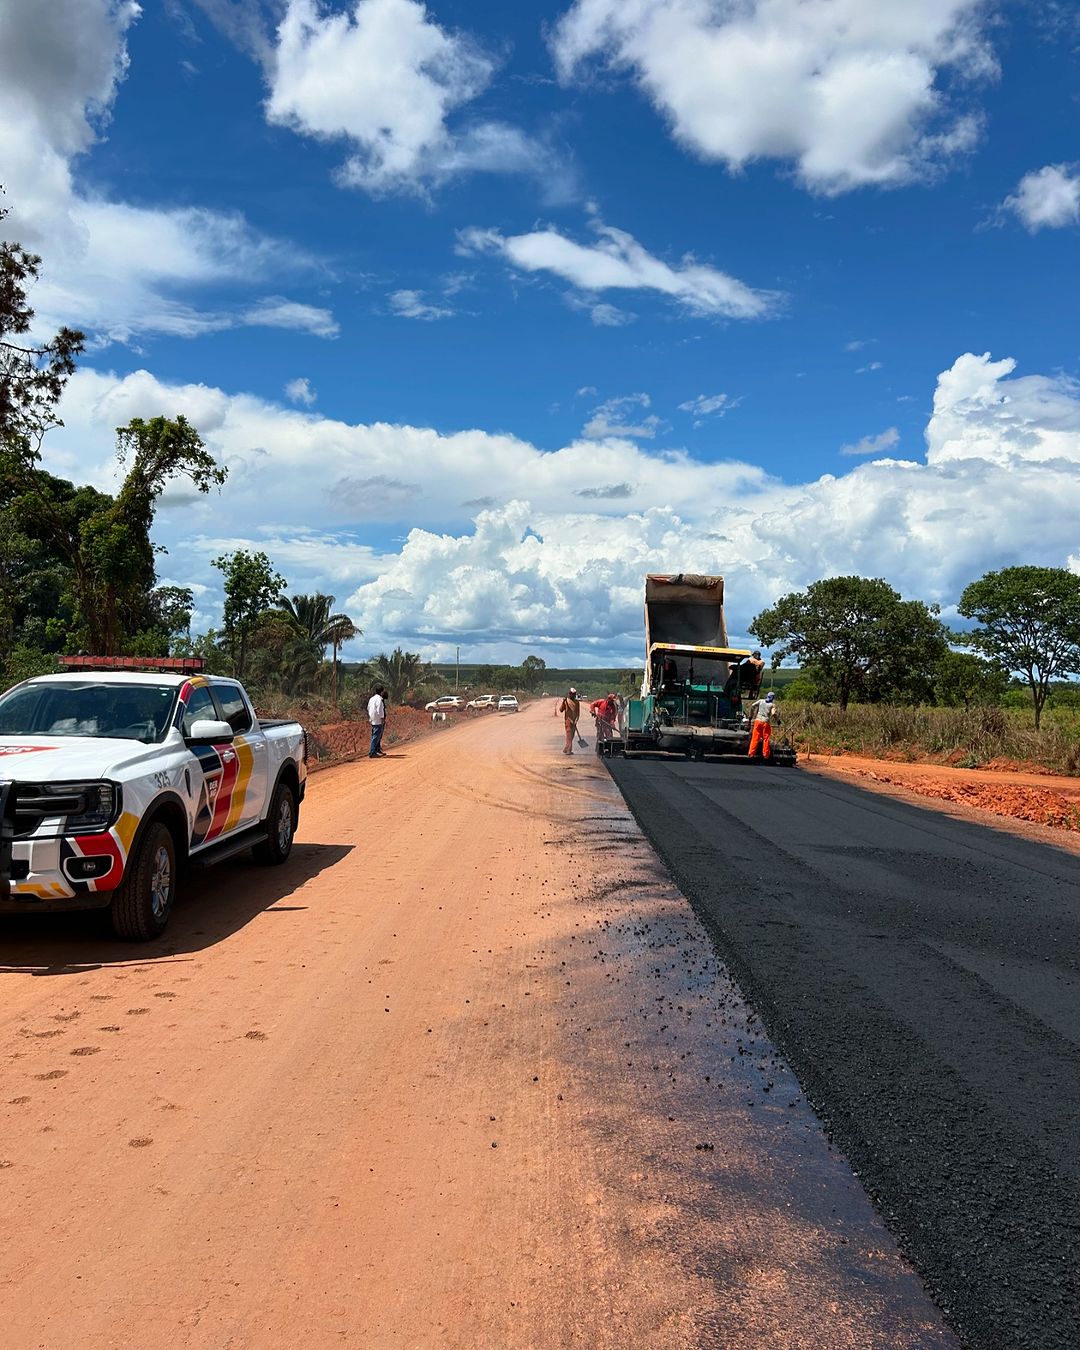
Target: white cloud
{"x":412,"y":305}
{"x":706,"y":405}
{"x":873,"y":445}
{"x":850,"y":92}
{"x":274,"y":312}
{"x":300,"y":391}
{"x":602,"y":314}
{"x":609,"y":419}
{"x":116,"y":270}
{"x":872,"y":365}
{"x":1047,"y":198}
{"x":616,"y":261}
{"x":505,"y":543}
{"x":385,"y":78}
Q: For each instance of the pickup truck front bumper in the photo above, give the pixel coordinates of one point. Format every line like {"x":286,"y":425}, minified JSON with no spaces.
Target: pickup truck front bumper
{"x":63,"y":874}
{"x":7,"y":826}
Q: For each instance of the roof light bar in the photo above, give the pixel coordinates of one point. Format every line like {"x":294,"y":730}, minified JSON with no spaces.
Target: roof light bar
{"x":178,"y":665}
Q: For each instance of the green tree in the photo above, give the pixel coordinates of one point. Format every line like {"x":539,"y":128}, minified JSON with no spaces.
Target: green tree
{"x":251,"y":588}
{"x":397,"y":673}
{"x":321,"y":628}
{"x":31,"y":378}
{"x":1029,"y":622}
{"x":962,"y":679}
{"x":532,"y":673}
{"x":860,"y":636}
{"x":103,"y":541}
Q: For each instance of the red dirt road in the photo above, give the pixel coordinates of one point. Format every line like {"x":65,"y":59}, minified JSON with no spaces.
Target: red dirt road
{"x":464,"y":1073}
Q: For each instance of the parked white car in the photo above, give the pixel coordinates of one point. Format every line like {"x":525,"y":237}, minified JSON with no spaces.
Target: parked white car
{"x":122,"y":775}
{"x":447,"y":703}
{"x":508,"y":703}
{"x":484,"y":701}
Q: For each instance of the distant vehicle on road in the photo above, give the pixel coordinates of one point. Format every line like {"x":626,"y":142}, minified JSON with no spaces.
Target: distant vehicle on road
{"x":484,"y":701}
{"x":508,"y":703}
{"x":447,"y":703}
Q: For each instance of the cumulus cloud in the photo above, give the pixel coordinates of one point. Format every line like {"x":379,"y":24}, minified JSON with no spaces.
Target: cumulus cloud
{"x":116,"y":270}
{"x":385,"y":78}
{"x":507,"y":544}
{"x":300,"y":391}
{"x":1047,"y":199}
{"x":871,"y":365}
{"x":849,"y":92}
{"x":873,"y":445}
{"x":412,"y":305}
{"x":616,"y":261}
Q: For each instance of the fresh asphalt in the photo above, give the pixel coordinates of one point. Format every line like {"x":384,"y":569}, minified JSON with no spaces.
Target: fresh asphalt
{"x":922,"y":975}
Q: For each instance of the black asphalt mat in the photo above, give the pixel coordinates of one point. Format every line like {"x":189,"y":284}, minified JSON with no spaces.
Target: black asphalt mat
{"x":922,"y":975}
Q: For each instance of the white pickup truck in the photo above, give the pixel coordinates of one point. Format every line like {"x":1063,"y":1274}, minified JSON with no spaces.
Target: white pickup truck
{"x":120,"y":776}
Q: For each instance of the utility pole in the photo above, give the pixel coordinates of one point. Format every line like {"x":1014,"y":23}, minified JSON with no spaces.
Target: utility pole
{"x":457,"y":665}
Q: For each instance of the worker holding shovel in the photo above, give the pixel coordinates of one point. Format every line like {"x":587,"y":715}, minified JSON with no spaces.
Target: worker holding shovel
{"x":571,"y":711}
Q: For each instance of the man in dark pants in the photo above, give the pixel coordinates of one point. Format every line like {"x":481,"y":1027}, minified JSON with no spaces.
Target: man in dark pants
{"x":376,"y":711}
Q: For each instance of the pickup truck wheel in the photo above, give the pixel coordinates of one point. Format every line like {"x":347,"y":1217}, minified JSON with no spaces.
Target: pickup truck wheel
{"x":280,"y":828}
{"x":143,"y":901}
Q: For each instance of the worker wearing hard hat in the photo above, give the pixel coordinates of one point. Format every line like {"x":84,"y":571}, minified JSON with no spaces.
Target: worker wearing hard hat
{"x":763,"y":714}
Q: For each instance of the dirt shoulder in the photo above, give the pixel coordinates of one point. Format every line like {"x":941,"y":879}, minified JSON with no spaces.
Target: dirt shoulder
{"x":1049,"y":802}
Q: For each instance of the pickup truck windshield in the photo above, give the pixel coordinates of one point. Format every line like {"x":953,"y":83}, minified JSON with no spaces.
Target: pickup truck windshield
{"x":132,"y":712}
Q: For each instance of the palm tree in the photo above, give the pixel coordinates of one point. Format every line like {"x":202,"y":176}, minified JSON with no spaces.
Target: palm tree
{"x":319,"y":627}
{"x":398,"y":672}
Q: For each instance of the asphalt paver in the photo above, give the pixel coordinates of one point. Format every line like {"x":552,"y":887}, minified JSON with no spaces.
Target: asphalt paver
{"x":922,"y":976}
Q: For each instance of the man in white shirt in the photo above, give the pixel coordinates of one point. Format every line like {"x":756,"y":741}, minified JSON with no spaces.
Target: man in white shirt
{"x":376,"y":711}
{"x":763,"y":716}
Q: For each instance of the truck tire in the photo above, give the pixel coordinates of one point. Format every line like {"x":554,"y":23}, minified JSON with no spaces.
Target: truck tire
{"x":143,"y":901}
{"x":280,"y":828}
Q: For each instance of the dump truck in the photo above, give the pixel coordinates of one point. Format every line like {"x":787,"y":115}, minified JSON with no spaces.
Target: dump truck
{"x":695,"y":689}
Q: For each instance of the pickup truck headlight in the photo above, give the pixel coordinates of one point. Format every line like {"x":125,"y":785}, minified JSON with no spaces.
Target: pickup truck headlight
{"x":101,"y":803}
{"x":83,"y":808}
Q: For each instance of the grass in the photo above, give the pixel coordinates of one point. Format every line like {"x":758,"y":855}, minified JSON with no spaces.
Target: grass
{"x":966,"y":737}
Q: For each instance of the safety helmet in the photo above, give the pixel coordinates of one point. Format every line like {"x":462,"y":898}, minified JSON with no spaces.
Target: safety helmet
{"x":769,"y":696}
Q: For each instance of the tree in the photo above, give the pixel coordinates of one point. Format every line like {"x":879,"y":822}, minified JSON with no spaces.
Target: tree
{"x":251,"y":588}
{"x":105,"y":541}
{"x":1029,"y":621}
{"x":532,"y":672}
{"x":963,"y":679}
{"x":398,"y":673}
{"x":31,"y":378}
{"x":859,"y":635}
{"x":312,"y":615}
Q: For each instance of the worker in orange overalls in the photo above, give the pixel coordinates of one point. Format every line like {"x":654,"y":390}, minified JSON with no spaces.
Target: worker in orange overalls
{"x":762,"y":716}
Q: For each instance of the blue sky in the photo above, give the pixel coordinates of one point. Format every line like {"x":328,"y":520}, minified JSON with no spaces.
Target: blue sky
{"x":490,"y":309}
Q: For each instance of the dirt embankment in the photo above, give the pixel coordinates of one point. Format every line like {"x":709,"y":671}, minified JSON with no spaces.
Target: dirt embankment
{"x":1003,"y":789}
{"x":336,"y":742}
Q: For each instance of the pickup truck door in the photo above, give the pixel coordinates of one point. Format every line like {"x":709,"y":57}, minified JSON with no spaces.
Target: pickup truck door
{"x":247,"y":772}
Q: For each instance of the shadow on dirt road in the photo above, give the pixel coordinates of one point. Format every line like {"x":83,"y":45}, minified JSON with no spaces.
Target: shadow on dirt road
{"x":210,"y":907}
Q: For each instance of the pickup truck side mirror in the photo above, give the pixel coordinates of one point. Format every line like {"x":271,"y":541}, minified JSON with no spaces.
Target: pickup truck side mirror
{"x":208,"y":732}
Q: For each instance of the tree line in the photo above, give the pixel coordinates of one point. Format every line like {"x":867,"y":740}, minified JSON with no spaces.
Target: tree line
{"x":856,"y":638}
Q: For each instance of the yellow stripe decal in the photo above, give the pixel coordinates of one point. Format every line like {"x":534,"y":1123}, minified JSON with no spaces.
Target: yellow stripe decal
{"x":124,"y":829}
{"x":244,"y":761}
